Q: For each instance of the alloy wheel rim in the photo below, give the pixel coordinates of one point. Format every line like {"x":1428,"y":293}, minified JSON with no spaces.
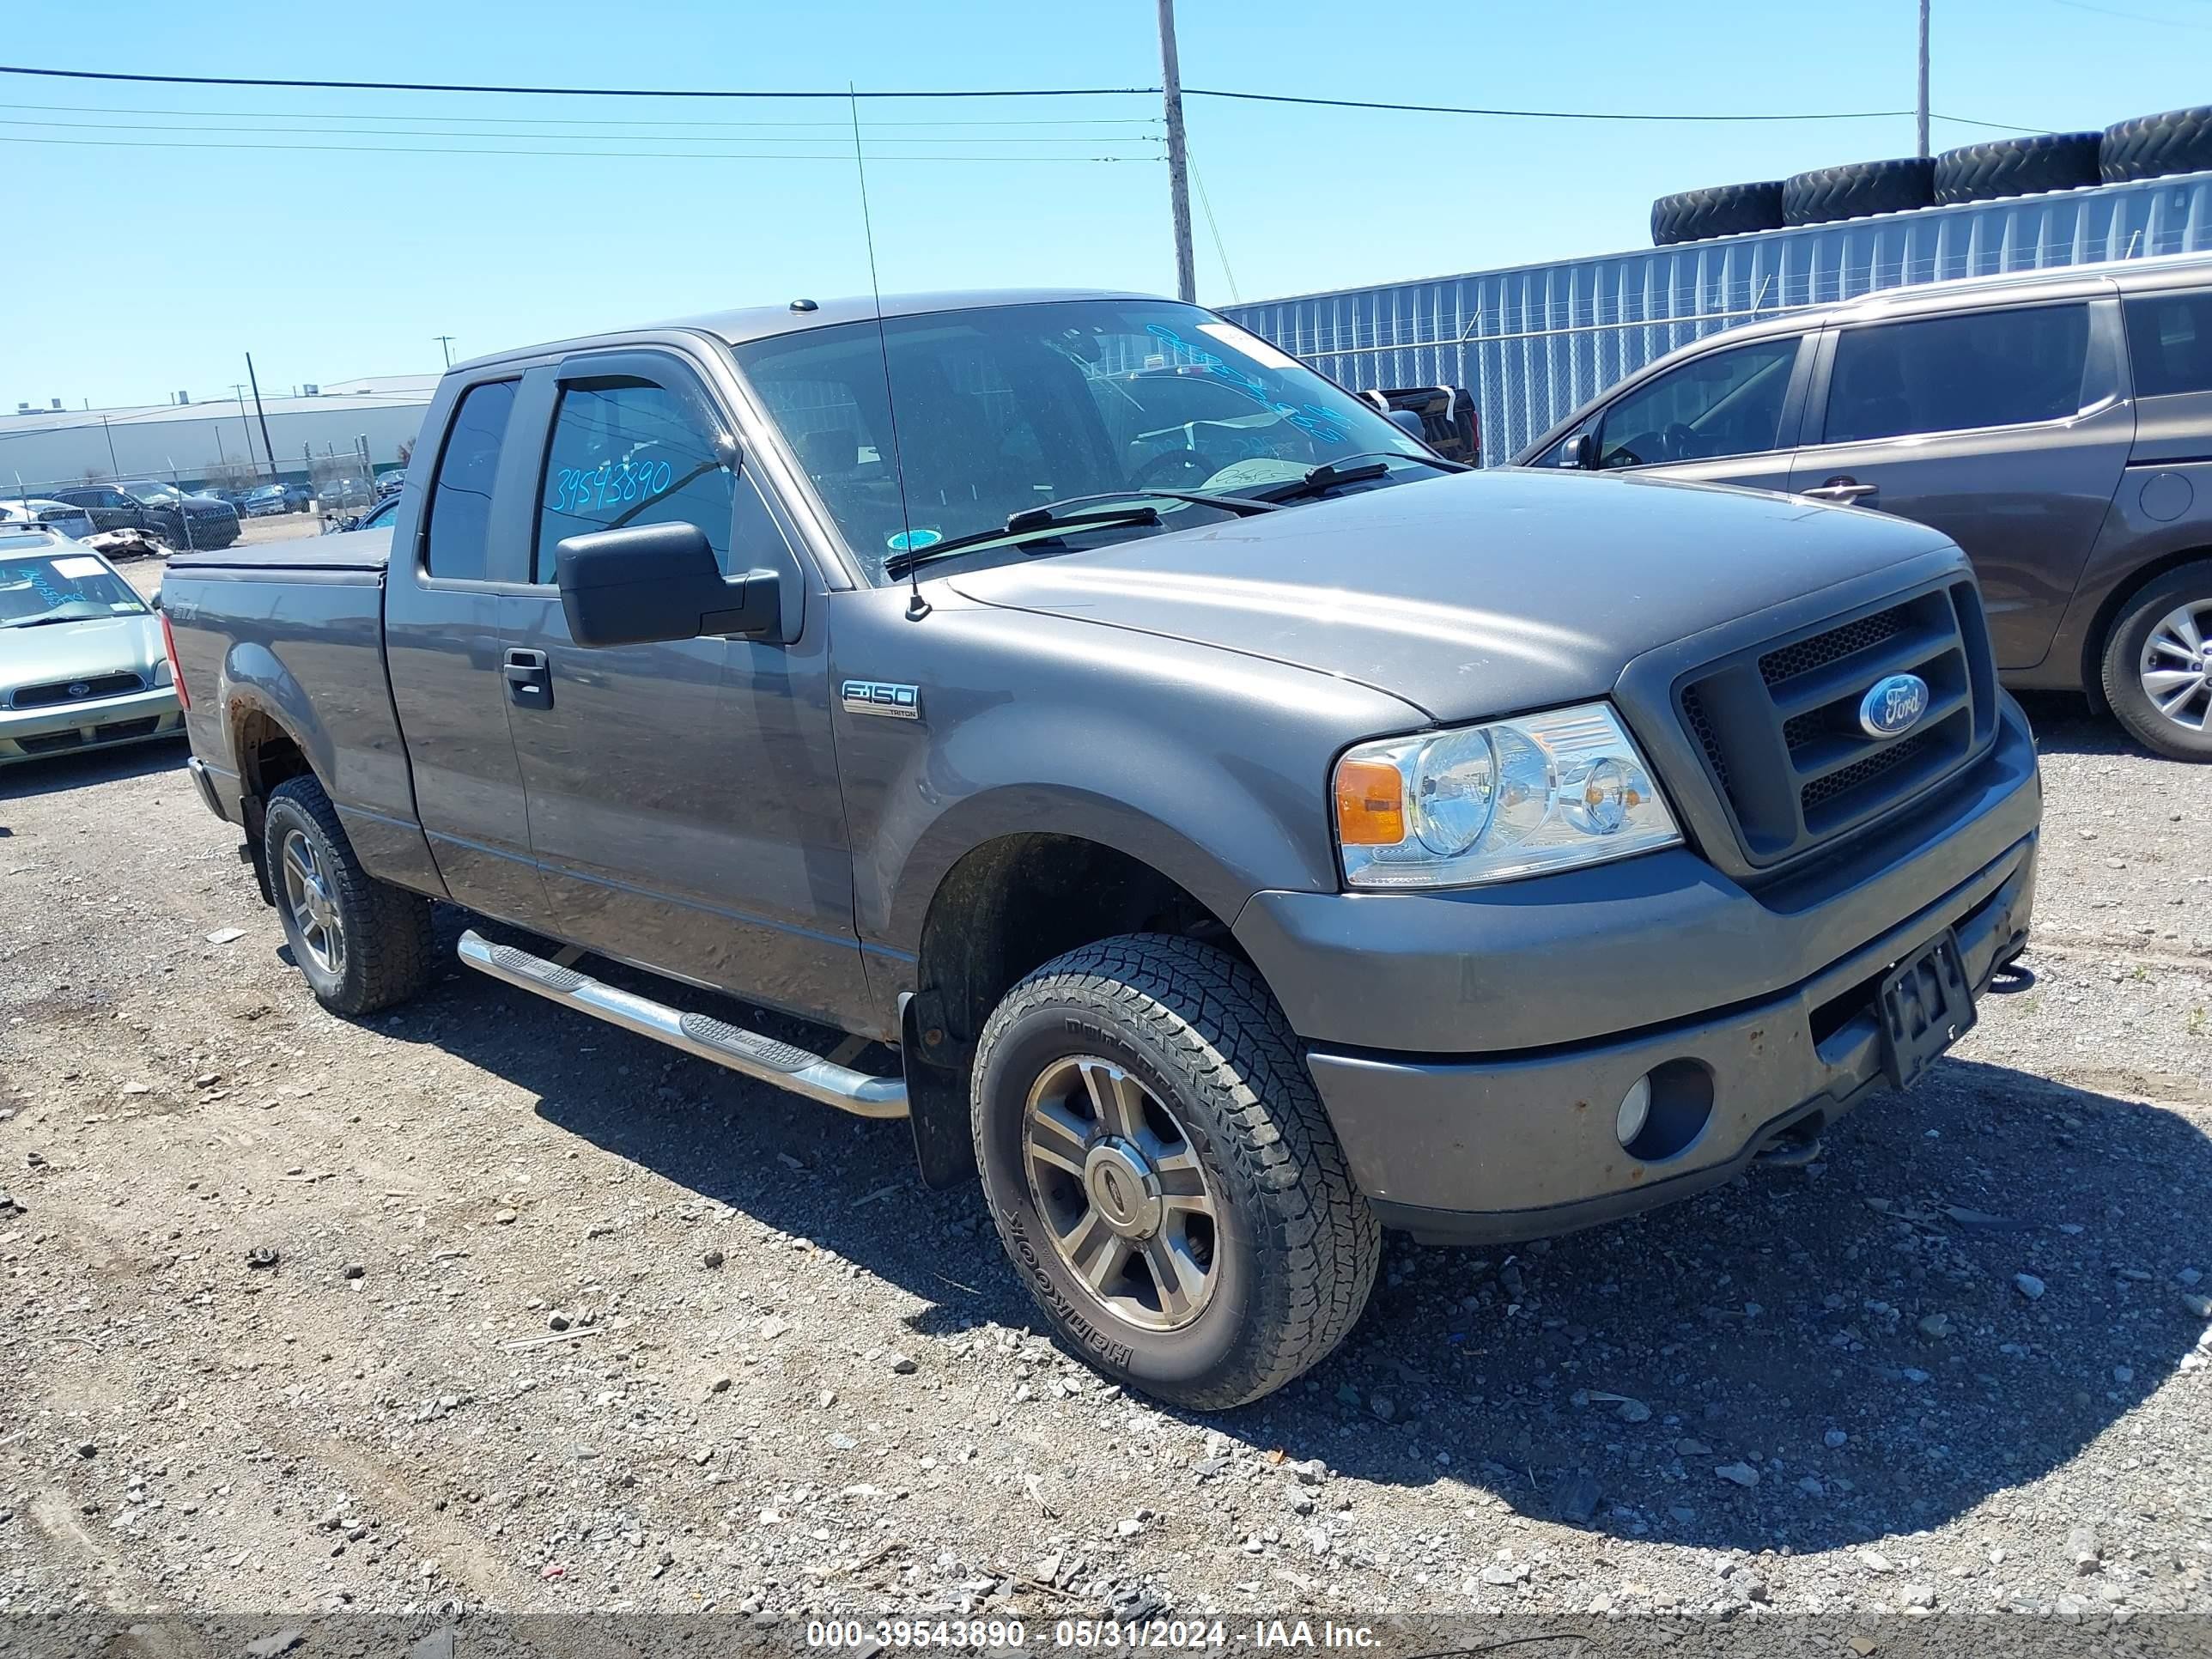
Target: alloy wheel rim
{"x":2175,"y":666}
{"x":1125,"y":1200}
{"x":314,"y":911}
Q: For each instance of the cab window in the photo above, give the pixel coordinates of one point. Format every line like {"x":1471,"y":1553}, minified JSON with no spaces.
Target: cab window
{"x":460,"y":496}
{"x":1725,"y":402}
{"x":626,"y":452}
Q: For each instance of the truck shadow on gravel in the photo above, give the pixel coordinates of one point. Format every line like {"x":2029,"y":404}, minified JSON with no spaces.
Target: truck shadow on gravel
{"x":1803,"y":1359}
{"x":59,"y":774}
{"x":2063,"y":725}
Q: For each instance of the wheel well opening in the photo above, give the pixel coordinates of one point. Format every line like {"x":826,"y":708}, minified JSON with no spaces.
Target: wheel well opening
{"x":266,"y":754}
{"x":1013,"y":905}
{"x":2108,"y":613}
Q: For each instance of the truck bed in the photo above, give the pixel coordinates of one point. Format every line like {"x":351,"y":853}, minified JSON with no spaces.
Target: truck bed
{"x":295,"y":630}
{"x":359,"y":550}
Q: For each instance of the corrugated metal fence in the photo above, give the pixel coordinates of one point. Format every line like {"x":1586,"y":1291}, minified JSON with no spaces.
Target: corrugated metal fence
{"x":1533,"y":342}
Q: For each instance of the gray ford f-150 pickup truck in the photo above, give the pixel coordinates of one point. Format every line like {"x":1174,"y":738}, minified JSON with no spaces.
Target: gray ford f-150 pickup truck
{"x":1241,"y":829}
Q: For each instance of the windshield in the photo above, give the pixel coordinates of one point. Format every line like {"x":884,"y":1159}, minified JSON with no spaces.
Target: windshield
{"x":61,"y":587}
{"x":151,"y":493}
{"x":1003,"y":408}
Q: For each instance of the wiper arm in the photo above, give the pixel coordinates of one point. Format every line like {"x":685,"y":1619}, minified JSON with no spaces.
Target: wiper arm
{"x":1243,"y":506}
{"x":1023,"y":526}
{"x":1319,"y":480}
{"x":1052,"y":520}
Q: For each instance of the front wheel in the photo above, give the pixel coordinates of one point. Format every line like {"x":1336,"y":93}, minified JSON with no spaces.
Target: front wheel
{"x":2157,"y":675}
{"x":1162,"y":1174}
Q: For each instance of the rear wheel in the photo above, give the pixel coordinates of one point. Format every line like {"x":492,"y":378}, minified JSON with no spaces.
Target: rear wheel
{"x":1162,"y":1174}
{"x":2157,"y":675}
{"x":360,"y":944}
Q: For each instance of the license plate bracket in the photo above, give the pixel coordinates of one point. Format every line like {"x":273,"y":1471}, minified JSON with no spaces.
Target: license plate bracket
{"x":1926,"y":1005}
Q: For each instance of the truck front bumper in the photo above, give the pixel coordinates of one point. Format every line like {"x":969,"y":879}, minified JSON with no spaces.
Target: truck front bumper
{"x":1473,"y":1048}
{"x":101,"y":723}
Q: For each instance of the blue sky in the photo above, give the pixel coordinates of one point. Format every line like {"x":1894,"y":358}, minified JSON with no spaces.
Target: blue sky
{"x":170,"y":257}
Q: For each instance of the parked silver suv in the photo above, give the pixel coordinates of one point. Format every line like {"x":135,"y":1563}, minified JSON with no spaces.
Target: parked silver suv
{"x":2056,"y":425}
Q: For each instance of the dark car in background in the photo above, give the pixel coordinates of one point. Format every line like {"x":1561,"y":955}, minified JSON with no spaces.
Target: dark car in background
{"x":374,"y":517}
{"x":161,"y":511}
{"x":2058,"y":425}
{"x":1442,"y":416}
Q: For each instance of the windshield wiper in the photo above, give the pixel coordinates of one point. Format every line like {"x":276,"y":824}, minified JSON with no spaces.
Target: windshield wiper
{"x":1053,"y":519}
{"x":48,"y":622}
{"x":1329,"y":475}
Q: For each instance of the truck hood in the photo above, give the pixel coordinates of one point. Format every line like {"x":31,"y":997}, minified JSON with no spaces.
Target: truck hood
{"x":1471,"y":594}
{"x":74,"y":650}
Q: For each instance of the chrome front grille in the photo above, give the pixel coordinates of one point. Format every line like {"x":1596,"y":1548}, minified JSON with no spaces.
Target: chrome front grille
{"x":1778,"y":723}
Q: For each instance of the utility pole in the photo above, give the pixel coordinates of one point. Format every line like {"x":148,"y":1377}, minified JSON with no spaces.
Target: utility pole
{"x":446,"y":344}
{"x":238,"y":396}
{"x":1922,"y":107}
{"x":268,"y":448}
{"x":1178,"y":160}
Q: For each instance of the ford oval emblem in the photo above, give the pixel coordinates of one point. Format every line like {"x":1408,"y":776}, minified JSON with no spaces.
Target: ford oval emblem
{"x":79,"y":689}
{"x":1893,"y":706}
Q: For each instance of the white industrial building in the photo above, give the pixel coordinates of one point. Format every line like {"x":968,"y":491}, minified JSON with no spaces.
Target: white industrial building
{"x":191,"y":443}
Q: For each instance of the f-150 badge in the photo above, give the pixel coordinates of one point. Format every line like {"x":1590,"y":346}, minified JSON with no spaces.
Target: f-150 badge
{"x":900,"y":702}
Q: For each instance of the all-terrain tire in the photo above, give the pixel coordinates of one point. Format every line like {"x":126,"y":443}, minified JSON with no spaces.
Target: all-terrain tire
{"x":2017,"y":167}
{"x":1692,"y":216}
{"x":1296,"y":1246}
{"x":2152,"y":146}
{"x":2120,"y":678}
{"x":1857,"y":190}
{"x":387,"y":948}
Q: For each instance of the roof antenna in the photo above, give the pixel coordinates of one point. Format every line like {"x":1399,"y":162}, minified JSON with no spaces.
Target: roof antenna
{"x":917,"y":606}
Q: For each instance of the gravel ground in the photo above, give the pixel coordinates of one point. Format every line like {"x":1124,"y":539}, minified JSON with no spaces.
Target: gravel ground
{"x":477,"y":1304}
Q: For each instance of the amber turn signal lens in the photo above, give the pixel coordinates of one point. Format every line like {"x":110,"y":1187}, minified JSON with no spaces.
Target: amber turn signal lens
{"x":1370,"y":804}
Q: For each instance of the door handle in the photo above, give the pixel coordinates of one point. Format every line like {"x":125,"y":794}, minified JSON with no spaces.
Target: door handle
{"x":1843,"y":489}
{"x":529,"y":679}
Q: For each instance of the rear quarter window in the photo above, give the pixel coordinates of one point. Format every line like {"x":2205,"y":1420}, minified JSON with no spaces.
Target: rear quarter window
{"x":2170,"y":341}
{"x":1977,"y":368}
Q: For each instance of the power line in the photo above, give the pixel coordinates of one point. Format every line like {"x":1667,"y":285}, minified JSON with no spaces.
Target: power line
{"x":635,"y":137}
{"x":624,"y":155}
{"x":562,"y":92}
{"x":1220,"y":249}
{"x":2132,"y":17}
{"x":1531,"y":115}
{"x":1994,"y":126}
{"x":594,"y":121}
{"x":938,"y":93}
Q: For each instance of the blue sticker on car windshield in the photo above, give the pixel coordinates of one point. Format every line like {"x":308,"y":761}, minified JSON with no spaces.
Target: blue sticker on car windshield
{"x":913,"y":541}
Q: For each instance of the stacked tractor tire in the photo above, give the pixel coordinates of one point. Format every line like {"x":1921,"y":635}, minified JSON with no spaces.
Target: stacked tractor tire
{"x":2149,"y":146}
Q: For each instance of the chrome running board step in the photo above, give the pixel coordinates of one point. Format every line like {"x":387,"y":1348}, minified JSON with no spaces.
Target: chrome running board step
{"x":755,"y":1056}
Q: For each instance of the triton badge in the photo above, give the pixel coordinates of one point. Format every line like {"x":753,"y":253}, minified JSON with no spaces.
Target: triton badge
{"x":1893,"y":706}
{"x":900,"y":702}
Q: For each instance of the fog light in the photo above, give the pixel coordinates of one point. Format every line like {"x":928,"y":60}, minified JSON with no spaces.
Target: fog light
{"x":1635,"y":1110}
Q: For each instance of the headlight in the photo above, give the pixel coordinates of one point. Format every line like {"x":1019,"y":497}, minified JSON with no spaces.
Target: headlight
{"x":161,"y":675}
{"x":1492,"y":802}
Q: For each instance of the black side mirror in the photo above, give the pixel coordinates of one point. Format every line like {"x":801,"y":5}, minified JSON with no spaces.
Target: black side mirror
{"x":654,"y":582}
{"x":1579,"y":450}
{"x":1409,"y":420}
